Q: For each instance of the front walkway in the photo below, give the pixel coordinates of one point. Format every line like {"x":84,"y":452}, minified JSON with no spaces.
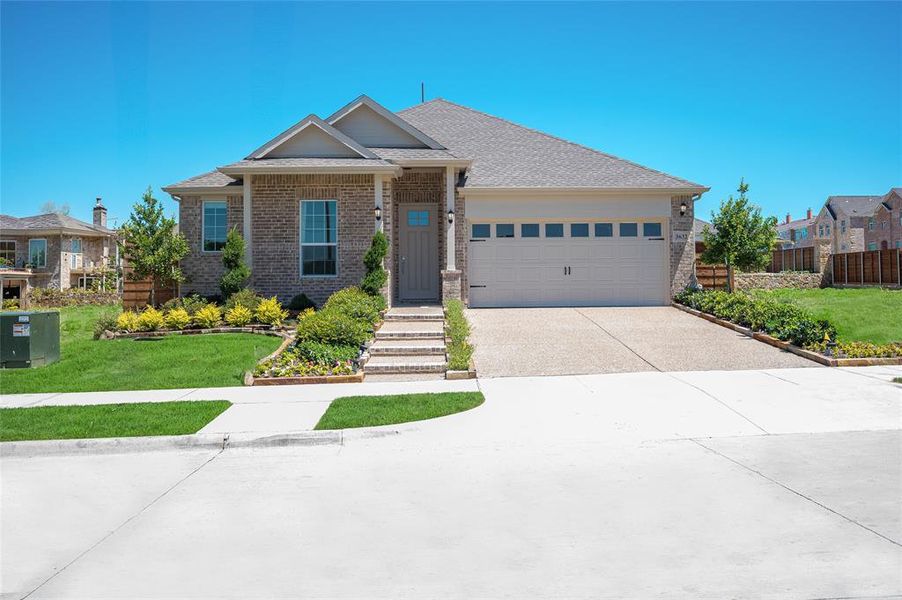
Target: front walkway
{"x":517,"y":342}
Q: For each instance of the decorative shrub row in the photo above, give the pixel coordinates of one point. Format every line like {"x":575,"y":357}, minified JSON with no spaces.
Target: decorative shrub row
{"x":293,"y":363}
{"x":859,"y":349}
{"x":53,"y":298}
{"x":458,"y":331}
{"x":184,"y":313}
{"x":781,"y":320}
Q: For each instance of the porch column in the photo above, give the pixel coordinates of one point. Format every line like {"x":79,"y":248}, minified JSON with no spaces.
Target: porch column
{"x":246,"y":220}
{"x":377,"y":185}
{"x":449,"y":227}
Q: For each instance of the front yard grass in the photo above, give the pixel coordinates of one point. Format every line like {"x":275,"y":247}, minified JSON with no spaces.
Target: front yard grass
{"x":859,"y":314}
{"x":369,"y":411}
{"x":107,"y":420}
{"x":178,"y":361}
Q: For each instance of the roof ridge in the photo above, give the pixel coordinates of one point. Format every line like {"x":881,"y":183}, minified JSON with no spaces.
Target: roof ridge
{"x":556,"y":138}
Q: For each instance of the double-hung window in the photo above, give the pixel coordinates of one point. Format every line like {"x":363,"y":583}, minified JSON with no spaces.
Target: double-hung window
{"x":37,"y":253}
{"x":8,"y":252}
{"x":216,"y":215}
{"x":319,"y":238}
{"x":75,"y":259}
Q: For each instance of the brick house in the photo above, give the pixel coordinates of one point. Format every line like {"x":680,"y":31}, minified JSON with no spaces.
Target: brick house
{"x":849,"y":217}
{"x":475,"y":207}
{"x":53,"y":250}
{"x":884,"y":227}
{"x":797,"y":233}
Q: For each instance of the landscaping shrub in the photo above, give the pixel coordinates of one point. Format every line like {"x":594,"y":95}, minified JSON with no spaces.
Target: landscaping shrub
{"x":357,"y":304}
{"x":105,"y":322}
{"x":291,"y":364}
{"x":246,"y":298}
{"x":301,"y":302}
{"x":11,"y":304}
{"x":782,"y":321}
{"x":270,"y":312}
{"x":859,"y":349}
{"x":127,"y":321}
{"x":458,"y":331}
{"x":54,"y":298}
{"x":150,"y":319}
{"x":333,"y":327}
{"x":178,"y":318}
{"x":326,"y":354}
{"x":375,"y":277}
{"x":239,"y":315}
{"x":236,"y":272}
{"x":192,"y":303}
{"x":208,"y":316}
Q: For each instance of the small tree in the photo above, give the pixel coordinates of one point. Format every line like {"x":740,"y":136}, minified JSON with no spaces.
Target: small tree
{"x":52,"y":207}
{"x":376,"y":276}
{"x":150,"y":244}
{"x":742,"y":237}
{"x":236,"y":273}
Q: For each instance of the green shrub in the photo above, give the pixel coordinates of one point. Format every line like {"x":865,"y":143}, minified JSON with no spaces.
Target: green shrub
{"x":208,"y":316}
{"x":333,"y":327}
{"x":357,"y":304}
{"x":150,"y":319}
{"x":236,"y":272}
{"x":127,"y":321}
{"x":326,"y":354}
{"x":11,"y":304}
{"x":375,"y":277}
{"x":291,"y":364}
{"x":270,"y":312}
{"x":239,"y":315}
{"x":246,"y":298}
{"x":301,"y":302}
{"x":191,"y":303}
{"x":458,"y":331}
{"x":105,"y":322}
{"x":177,"y":318}
{"x":859,"y":349}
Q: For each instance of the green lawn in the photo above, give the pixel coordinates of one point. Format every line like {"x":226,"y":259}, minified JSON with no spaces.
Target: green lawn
{"x":367,"y":411}
{"x":107,"y":420}
{"x":178,"y":361}
{"x":860,"y":314}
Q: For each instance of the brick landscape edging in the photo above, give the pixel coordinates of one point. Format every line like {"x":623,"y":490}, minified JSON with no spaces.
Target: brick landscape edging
{"x":772,"y":341}
{"x":262,"y":330}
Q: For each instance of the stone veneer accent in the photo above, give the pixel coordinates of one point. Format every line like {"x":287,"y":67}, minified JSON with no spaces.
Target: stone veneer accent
{"x":682,"y":244}
{"x":773,"y":281}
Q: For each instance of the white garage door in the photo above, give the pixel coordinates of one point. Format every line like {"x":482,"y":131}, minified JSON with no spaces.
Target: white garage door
{"x":568,"y":264}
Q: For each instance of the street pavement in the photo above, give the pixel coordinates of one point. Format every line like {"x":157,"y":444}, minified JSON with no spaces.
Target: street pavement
{"x":722,"y":484}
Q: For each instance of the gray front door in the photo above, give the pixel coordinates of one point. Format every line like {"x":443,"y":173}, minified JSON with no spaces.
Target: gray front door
{"x":419,"y":276}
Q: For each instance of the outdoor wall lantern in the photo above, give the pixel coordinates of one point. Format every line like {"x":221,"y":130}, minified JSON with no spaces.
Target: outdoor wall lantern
{"x":451,"y":216}
{"x":378,"y":212}
{"x":683,"y":209}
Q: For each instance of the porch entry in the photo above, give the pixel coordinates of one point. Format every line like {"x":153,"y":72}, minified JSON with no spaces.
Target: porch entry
{"x":418,"y":272}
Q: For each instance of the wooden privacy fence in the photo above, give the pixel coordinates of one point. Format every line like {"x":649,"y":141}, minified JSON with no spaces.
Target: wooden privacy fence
{"x":871,"y":267}
{"x":794,"y":259}
{"x":136,"y":293}
{"x":713,"y":277}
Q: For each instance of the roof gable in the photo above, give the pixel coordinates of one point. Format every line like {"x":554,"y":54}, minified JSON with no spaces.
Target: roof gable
{"x":374,"y":126}
{"x":311,"y":138}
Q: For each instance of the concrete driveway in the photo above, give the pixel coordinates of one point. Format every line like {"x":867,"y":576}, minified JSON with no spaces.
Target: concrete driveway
{"x":574,"y":341}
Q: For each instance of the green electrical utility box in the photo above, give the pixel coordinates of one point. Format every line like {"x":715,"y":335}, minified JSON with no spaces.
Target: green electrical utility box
{"x":29,"y":339}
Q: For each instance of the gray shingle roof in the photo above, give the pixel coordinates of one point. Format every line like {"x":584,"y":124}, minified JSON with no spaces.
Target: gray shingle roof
{"x":699,"y":225}
{"x":412,"y":153}
{"x":855,"y":206}
{"x":509,"y":155}
{"x":267,"y":163}
{"x":210,"y":179}
{"x":50,"y":222}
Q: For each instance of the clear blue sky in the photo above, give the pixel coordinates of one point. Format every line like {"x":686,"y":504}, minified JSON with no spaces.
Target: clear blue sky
{"x":803,"y":100}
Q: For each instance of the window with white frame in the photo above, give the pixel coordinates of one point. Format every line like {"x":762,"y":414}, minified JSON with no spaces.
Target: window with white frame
{"x":319,"y":238}
{"x":75,"y":255}
{"x":215,"y":225}
{"x":37,"y":253}
{"x":828,"y":229}
{"x":870,"y":224}
{"x":8,"y":252}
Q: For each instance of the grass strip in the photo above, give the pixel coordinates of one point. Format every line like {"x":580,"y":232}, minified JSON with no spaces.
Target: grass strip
{"x":107,"y":420}
{"x":369,"y":411}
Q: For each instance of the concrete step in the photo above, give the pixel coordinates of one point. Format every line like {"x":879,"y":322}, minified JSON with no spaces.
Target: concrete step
{"x":415,"y":313}
{"x":405,"y":347}
{"x":421,"y":330}
{"x":405,"y":364}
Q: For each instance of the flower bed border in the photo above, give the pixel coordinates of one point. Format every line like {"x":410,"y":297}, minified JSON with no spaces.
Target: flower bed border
{"x":827,"y":361}
{"x":260,"y":329}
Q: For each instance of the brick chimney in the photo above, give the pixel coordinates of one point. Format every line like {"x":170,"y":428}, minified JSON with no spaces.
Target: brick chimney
{"x":809,"y":214}
{"x":99,"y":214}
{"x":787,"y":218}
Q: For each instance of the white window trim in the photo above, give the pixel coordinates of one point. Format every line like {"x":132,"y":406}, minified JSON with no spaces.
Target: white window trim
{"x":15,"y":249}
{"x":46,"y":251}
{"x":301,"y":243}
{"x":203,"y":222}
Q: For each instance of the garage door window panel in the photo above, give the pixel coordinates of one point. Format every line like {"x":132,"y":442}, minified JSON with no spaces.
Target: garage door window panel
{"x":629,"y":229}
{"x":504,"y":230}
{"x":579,"y":230}
{"x":481,"y":231}
{"x":651,"y":230}
{"x":529,"y":230}
{"x":604,"y":230}
{"x":554,"y":230}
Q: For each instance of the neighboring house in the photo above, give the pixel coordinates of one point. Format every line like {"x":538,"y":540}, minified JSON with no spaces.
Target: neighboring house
{"x":849,"y":216}
{"x":54,"y":250}
{"x":884,"y":228}
{"x":798,"y":233}
{"x":474,"y":207}
{"x":698,"y":226}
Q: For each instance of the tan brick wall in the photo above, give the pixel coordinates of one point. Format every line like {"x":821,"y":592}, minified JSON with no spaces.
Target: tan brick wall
{"x":889,"y":233}
{"x":418,"y":186}
{"x":682,"y":244}
{"x":461,"y":241}
{"x":203,"y":269}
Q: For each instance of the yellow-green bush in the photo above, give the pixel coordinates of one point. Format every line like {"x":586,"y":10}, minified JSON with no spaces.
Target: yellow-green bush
{"x":150,"y":320}
{"x":178,"y":318}
{"x":208,"y":316}
{"x":127,"y":321}
{"x":238,"y":316}
{"x":270,"y":312}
